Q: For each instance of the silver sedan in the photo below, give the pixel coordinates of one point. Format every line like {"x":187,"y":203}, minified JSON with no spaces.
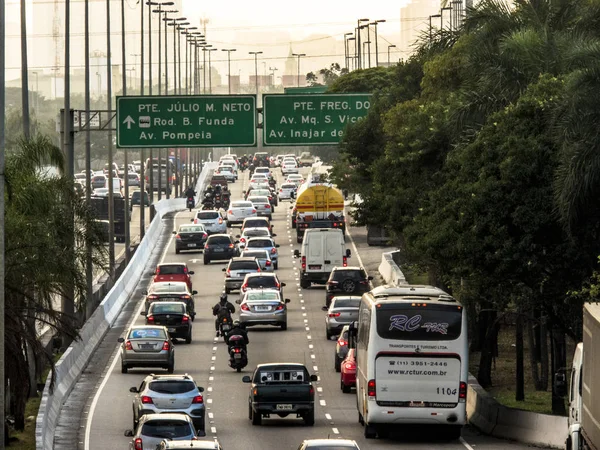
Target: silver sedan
{"x":147,"y":346}
{"x":263,"y":307}
{"x":342,"y":311}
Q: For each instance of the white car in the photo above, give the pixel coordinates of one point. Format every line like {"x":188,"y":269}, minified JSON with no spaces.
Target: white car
{"x":263,"y":257}
{"x":289,"y":166}
{"x":240,"y":210}
{"x":286,"y":190}
{"x":227,"y":173}
{"x":212,"y":221}
{"x":227,"y":160}
{"x":262,"y":205}
{"x":265,"y":243}
{"x":231,"y":165}
{"x":295,"y":178}
{"x":263,"y":170}
{"x":259,"y":179}
{"x":253,"y":232}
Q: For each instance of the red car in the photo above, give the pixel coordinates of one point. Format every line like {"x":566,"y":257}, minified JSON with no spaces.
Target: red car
{"x":348,"y":377}
{"x":173,"y":272}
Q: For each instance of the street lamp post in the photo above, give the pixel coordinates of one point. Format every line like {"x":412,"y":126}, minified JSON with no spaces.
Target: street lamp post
{"x":346,"y":56}
{"x":431,"y":26}
{"x":376,"y":45}
{"x":449,"y":9}
{"x":255,"y":68}
{"x":205,"y":48}
{"x":390,"y":46}
{"x":273,"y":69}
{"x":228,"y":50}
{"x":125,"y":162}
{"x":299,"y":55}
{"x":160,"y":11}
{"x":210,"y":50}
{"x":166,"y":21}
{"x":366,"y":45}
{"x":358,"y":28}
{"x":176,"y":24}
{"x":352,"y":58}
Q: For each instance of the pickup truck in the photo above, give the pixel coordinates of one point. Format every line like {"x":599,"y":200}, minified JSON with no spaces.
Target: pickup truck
{"x":281,"y":389}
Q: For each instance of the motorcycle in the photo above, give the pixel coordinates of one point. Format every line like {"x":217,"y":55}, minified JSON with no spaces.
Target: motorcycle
{"x":207,"y":206}
{"x":238,"y":356}
{"x":190,"y":203}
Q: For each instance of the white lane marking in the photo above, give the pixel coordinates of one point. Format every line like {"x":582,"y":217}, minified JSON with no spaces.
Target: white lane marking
{"x":319,"y":389}
{"x":303,"y":314}
{"x":213,"y":358}
{"x":309,"y":337}
{"x":307,"y":328}
{"x":328,"y":416}
{"x":214,"y":349}
{"x":310,"y":346}
{"x":209,"y":400}
{"x":323,"y":403}
{"x":463,"y":442}
{"x":90,"y":418}
{"x":305,"y":320}
{"x":213,"y":430}
{"x":315,"y":368}
{"x":212,"y":368}
{"x":211,"y":378}
{"x":312,"y":356}
{"x":211,"y":415}
{"x":335,"y":431}
{"x":303,"y":308}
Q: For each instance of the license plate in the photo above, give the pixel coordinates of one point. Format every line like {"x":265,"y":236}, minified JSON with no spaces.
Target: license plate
{"x":284,"y":407}
{"x":219,"y":250}
{"x":147,"y":346}
{"x":237,"y":356}
{"x":314,"y":266}
{"x":171,"y":330}
{"x":226,"y":328}
{"x":262,"y":308}
{"x":192,"y":245}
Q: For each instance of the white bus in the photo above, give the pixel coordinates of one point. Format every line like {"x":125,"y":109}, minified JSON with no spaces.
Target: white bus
{"x":412,"y":360}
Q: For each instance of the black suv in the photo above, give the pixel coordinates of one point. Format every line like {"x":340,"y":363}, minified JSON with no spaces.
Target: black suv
{"x":220,"y":247}
{"x":346,"y":281}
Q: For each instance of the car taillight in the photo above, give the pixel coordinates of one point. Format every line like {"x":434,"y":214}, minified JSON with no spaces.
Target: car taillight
{"x":268,"y":206}
{"x":198,"y":399}
{"x":150,"y":318}
{"x":279,"y":307}
{"x":205,"y":246}
{"x":184,"y":297}
{"x":311,"y":391}
{"x":244,"y":307}
{"x":146,"y":400}
{"x":152,"y":297}
{"x":304,"y":262}
{"x":273,"y":251}
{"x":137,"y":445}
{"x":371,"y":388}
{"x":345,"y":262}
{"x":128,"y":345}
{"x":195,"y":221}
{"x":185,"y":319}
{"x":242,"y":239}
{"x":334,"y":314}
{"x":177,"y":236}
{"x":230,"y":211}
{"x":350,"y":366}
{"x":220,"y":220}
{"x":253,"y":211}
{"x":227,"y":274}
{"x":342,"y":342}
{"x":462,"y":390}
{"x":231,"y":245}
{"x":244,"y":287}
{"x":268,"y":262}
{"x":158,"y":271}
{"x":166,"y":345}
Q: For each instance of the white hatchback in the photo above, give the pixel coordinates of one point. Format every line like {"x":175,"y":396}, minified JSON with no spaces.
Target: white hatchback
{"x":240,"y":210}
{"x":295,"y":178}
{"x":289,"y":165}
{"x":286,"y":191}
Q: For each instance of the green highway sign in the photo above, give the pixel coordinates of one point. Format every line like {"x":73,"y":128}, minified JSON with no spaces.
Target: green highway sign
{"x":305,"y":90}
{"x":310,"y":119}
{"x":186,"y":121}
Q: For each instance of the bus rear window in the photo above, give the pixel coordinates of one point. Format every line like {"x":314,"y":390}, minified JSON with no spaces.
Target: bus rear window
{"x":413,"y":323}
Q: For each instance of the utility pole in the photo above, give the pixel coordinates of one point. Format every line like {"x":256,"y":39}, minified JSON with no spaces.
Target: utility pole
{"x":89,"y":268}
{"x":228,"y":50}
{"x":299,"y":55}
{"x":125,"y":161}
{"x":111,"y":202}
{"x":24,"y":72}
{"x":2,"y":206}
{"x":255,"y":68}
{"x":142,"y":162}
{"x":359,"y":27}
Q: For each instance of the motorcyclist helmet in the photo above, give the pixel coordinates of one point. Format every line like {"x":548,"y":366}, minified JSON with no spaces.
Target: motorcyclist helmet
{"x":223,"y":297}
{"x":237,"y":323}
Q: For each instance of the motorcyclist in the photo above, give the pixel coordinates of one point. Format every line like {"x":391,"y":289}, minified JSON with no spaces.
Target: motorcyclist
{"x":238,"y":329}
{"x":222,"y":309}
{"x":190,"y":192}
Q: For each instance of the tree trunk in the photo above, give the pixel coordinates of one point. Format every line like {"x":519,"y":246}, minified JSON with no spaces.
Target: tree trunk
{"x":535,"y":372}
{"x":487,"y":325}
{"x":559,"y":363}
{"x":536,"y":350}
{"x":544,"y":367}
{"x":520,"y":379}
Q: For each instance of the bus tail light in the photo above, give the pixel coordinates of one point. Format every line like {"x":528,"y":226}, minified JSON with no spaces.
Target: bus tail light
{"x":462,"y":391}
{"x":371,"y":388}
{"x":345,"y":262}
{"x":304,"y":263}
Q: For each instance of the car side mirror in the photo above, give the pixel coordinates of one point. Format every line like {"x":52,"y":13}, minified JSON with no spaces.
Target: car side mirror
{"x":174,"y":232}
{"x":274,"y":235}
{"x":238,"y":301}
{"x":191,"y":220}
{"x":296,"y":253}
{"x":144,"y":292}
{"x":236,"y":242}
{"x":276,"y":245}
{"x":287,"y":300}
{"x":133,"y":390}
{"x":223,"y":269}
{"x":200,"y":389}
{"x":560,"y":384}
{"x":369,"y":278}
{"x":348,"y":253}
{"x":194,"y":292}
{"x":283,"y":284}
{"x":324,"y":308}
{"x":128,"y":433}
{"x":246,"y":379}
{"x":291,"y":207}
{"x":191,"y":272}
{"x":142,"y":313}
{"x":121,"y":340}
{"x":313,"y":377}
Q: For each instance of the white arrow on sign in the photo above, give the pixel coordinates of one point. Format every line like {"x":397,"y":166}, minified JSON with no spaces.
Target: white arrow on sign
{"x":128,"y":120}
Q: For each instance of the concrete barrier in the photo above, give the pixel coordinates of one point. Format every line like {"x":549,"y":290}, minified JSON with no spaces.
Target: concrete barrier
{"x":492,"y":418}
{"x":389,"y":270}
{"x":483,"y":411}
{"x":70,"y":366}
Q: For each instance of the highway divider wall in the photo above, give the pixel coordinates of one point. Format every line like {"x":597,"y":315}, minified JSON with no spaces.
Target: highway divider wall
{"x":483,"y":411}
{"x":72,"y":363}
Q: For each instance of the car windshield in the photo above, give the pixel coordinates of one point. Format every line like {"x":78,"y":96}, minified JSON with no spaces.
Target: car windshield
{"x":344,"y":274}
{"x":261,"y":296}
{"x":258,"y":199}
{"x":167,"y":429}
{"x":169,"y":308}
{"x":191,"y":229}
{"x":207,"y":215}
{"x":346,"y":303}
{"x":172,"y":386}
{"x":171,"y":270}
{"x":260,"y":243}
{"x":255,"y":282}
{"x":256,"y":223}
{"x":147,"y":333}
{"x":243,"y":265}
{"x":219,"y":240}
{"x":241,"y":205}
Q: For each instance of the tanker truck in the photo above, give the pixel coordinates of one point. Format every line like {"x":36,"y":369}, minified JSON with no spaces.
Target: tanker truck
{"x":584,"y":396}
{"x":318,"y":205}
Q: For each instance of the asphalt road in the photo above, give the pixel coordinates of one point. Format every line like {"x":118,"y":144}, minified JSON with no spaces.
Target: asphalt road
{"x":226,"y":396}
